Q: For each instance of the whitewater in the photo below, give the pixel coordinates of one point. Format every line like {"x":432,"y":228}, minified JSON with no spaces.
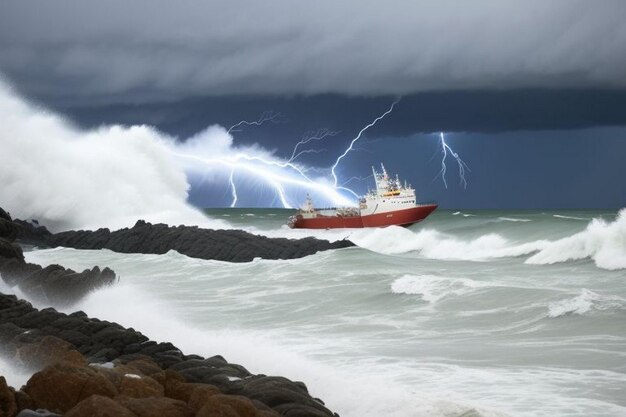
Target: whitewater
{"x":470,"y":313}
{"x":462,"y":315}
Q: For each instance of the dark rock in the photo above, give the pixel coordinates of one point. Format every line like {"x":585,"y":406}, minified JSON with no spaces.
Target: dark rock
{"x":8,"y":404}
{"x":99,"y":406}
{"x":37,"y":413}
{"x":222,"y":245}
{"x":31,"y":232}
{"x":60,"y":387}
{"x":101,"y":341}
{"x":53,"y":283}
{"x":10,"y":250}
{"x":150,"y":407}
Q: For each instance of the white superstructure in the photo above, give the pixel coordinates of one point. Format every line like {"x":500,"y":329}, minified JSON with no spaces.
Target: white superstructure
{"x":389,"y":195}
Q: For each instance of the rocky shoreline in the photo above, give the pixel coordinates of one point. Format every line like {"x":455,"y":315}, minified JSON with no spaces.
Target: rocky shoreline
{"x":195,"y":242}
{"x":87,"y":367}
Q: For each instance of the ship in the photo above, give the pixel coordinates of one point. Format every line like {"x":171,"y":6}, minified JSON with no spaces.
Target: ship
{"x":390,"y":204}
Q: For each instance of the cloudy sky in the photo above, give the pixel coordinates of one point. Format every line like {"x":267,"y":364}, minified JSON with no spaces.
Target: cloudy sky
{"x":531,"y":93}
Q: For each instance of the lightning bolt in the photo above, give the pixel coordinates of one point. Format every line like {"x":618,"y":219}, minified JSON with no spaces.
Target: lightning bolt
{"x":308,"y":137}
{"x":261,"y":168}
{"x":445,"y":148}
{"x":267,"y":116}
{"x":272,"y":170}
{"x":233,"y":188}
{"x":357,"y":137}
{"x":356,"y":178}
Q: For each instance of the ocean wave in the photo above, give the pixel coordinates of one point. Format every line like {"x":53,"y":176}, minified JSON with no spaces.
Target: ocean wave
{"x":512,"y":219}
{"x":436,"y":245}
{"x":350,"y":390}
{"x":458,"y":213}
{"x":432,"y":288}
{"x":604,"y":242}
{"x":585,"y":302}
{"x":560,"y":216}
{"x":106,"y":177}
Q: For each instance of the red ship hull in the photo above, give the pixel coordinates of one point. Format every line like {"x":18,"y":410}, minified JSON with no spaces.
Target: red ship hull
{"x":404,"y":217}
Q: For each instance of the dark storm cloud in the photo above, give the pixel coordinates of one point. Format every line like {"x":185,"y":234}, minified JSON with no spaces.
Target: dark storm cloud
{"x":452,"y":111}
{"x":119,"y":50}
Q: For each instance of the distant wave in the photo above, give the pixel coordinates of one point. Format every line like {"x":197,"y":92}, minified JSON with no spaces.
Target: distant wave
{"x":585,"y":302}
{"x":603,"y":242}
{"x":560,"y":216}
{"x":511,"y":219}
{"x":457,"y":213}
{"x":432,"y":288}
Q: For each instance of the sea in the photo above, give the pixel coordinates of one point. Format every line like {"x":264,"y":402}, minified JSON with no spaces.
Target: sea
{"x":469,"y":313}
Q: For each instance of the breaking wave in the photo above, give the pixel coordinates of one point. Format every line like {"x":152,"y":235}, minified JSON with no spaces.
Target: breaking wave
{"x":585,"y":302}
{"x":436,"y":245}
{"x":350,"y":392}
{"x":433,"y":288}
{"x":601,"y":241}
{"x":604,"y":242}
{"x":68,"y":178}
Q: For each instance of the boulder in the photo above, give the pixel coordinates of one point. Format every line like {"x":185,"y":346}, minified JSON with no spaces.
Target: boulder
{"x":10,"y":250}
{"x":99,"y":406}
{"x":8,"y":404}
{"x":221,"y":410}
{"x":60,"y":387}
{"x":152,"y":407}
{"x":37,"y":413}
{"x":242,"y":406}
{"x":188,"y":380}
{"x":49,"y":350}
{"x":23,"y":400}
{"x":199,"y":394}
{"x":137,"y":386}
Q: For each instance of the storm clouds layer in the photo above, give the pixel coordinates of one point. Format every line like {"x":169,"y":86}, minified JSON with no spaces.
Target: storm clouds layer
{"x":144,"y":50}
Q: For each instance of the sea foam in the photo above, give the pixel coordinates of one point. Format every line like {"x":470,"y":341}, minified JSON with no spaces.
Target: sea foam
{"x":433,"y":288}
{"x":585,"y":302}
{"x":352,"y":392}
{"x":604,"y":242}
{"x":107,"y":177}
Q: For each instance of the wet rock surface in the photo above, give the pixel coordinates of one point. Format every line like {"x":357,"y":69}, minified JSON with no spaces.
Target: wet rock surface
{"x":143,"y":237}
{"x":221,"y":245}
{"x":87,"y":367}
{"x":53,"y":284}
{"x":82,"y":364}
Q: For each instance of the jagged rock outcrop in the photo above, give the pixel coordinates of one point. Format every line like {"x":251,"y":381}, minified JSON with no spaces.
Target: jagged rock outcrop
{"x":221,"y":245}
{"x":54,"y":283}
{"x":136,"y":373}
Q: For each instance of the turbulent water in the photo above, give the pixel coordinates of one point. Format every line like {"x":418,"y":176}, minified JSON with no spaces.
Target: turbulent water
{"x":468,"y":313}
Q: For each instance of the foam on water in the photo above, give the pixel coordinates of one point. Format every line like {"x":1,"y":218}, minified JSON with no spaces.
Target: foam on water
{"x":561,"y":216}
{"x":603,"y":242}
{"x":108,"y":177}
{"x":356,"y":392}
{"x":512,"y":219}
{"x":433,"y":288}
{"x":585,"y":302}
{"x":352,"y":326}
